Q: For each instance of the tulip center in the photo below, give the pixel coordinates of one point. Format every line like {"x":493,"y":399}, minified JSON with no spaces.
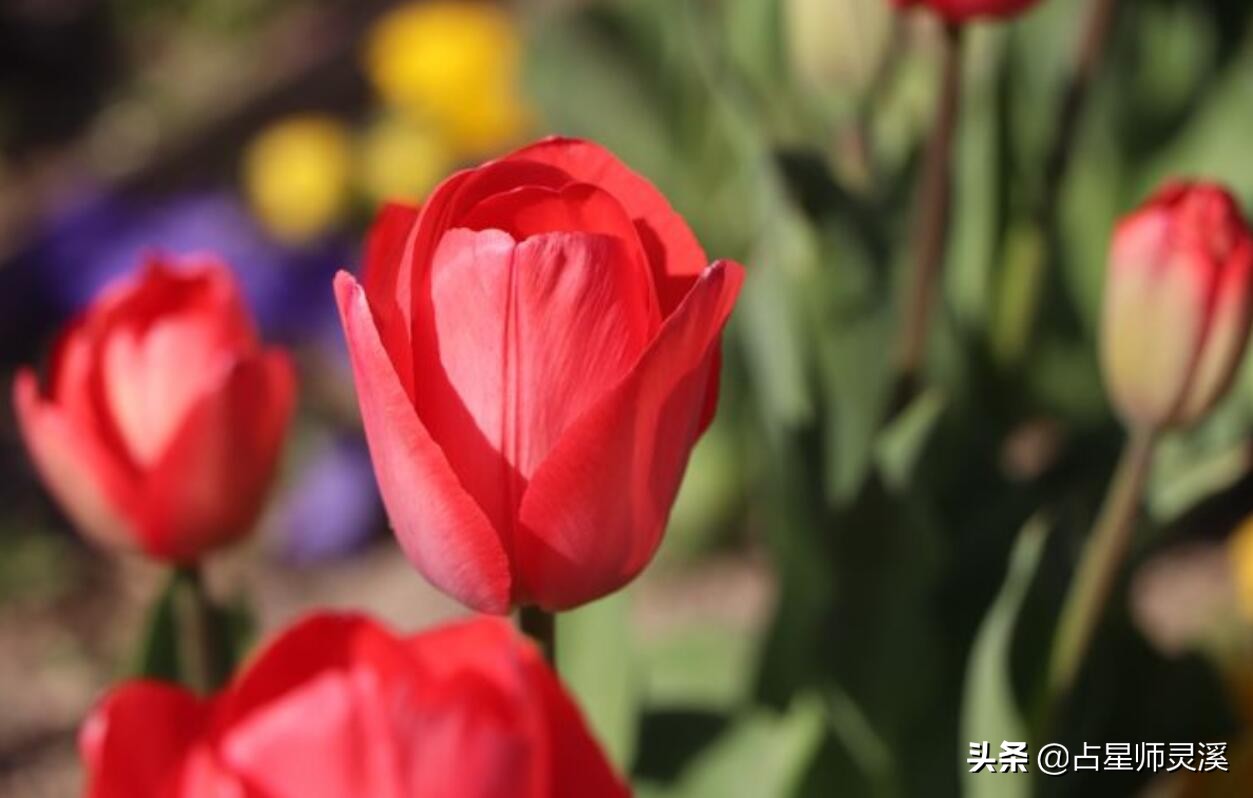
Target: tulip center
{"x":519,"y":340}
{"x":153,"y":378}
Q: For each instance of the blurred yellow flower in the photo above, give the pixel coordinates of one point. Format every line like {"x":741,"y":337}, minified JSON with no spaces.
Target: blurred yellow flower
{"x":455,"y":64}
{"x":296,"y":175}
{"x":1240,"y":549}
{"x":399,"y":159}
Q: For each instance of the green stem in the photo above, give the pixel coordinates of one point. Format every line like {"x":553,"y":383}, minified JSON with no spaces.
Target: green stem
{"x":1095,"y":37}
{"x":1101,"y":563}
{"x":1099,"y":25}
{"x":935,"y":196}
{"x":202,"y":649}
{"x":540,"y":625}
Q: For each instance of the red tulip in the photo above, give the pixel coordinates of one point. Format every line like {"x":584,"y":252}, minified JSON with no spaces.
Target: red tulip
{"x":1178,"y":299}
{"x":338,"y":706}
{"x":957,"y":11}
{"x":536,"y":353}
{"x":163,"y":417}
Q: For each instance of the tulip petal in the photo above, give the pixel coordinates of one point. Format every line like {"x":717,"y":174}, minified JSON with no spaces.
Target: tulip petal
{"x":457,"y":690}
{"x":208,"y":485}
{"x":199,"y":286}
{"x":487,"y":732}
{"x":91,"y":486}
{"x":349,"y":750}
{"x":1153,"y":320}
{"x":519,"y":340}
{"x":462,"y":660}
{"x":575,"y":208}
{"x":1226,"y":336}
{"x":134,"y":742}
{"x":673,"y":250}
{"x":572,"y":749}
{"x":321,"y":642}
{"x":596,"y":508}
{"x":459,"y":193}
{"x":388,"y":247}
{"x":153,"y":377}
{"x":402,"y":242}
{"x":74,"y":387}
{"x":438,"y":524}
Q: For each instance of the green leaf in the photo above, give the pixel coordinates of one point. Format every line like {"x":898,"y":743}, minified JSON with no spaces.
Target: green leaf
{"x":164,"y":650}
{"x":865,"y":748}
{"x":769,"y":312}
{"x":901,"y":445}
{"x":1183,"y":478}
{"x":596,"y":661}
{"x":706,"y":667}
{"x":765,"y":755}
{"x":991,"y":712}
{"x":710,"y":498}
{"x":157,"y":654}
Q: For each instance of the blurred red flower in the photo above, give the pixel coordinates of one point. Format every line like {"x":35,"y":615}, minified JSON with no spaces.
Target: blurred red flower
{"x":338,"y":706}
{"x":536,"y":352}
{"x":1178,"y":303}
{"x":163,"y":416}
{"x":964,"y":10}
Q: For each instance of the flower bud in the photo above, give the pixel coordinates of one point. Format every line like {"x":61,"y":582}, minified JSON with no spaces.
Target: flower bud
{"x":339,"y":705}
{"x":160,"y":425}
{"x":575,"y":325}
{"x":958,"y":11}
{"x":1177,"y":299}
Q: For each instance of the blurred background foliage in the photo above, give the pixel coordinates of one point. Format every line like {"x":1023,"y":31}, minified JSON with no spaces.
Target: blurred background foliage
{"x":850,"y":592}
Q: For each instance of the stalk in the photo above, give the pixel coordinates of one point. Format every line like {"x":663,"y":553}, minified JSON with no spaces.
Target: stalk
{"x":1102,"y":560}
{"x":540,"y":625}
{"x":1100,"y":24}
{"x":935,"y":199}
{"x":202,"y":650}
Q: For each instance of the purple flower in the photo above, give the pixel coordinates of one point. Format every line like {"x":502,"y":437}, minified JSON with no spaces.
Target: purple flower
{"x":100,"y":236}
{"x":332,"y":508}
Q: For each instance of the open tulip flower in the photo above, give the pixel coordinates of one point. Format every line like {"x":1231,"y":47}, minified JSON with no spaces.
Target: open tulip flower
{"x":163,"y":416}
{"x":338,"y":706}
{"x":957,"y":11}
{"x":1178,"y":298}
{"x":536,"y":352}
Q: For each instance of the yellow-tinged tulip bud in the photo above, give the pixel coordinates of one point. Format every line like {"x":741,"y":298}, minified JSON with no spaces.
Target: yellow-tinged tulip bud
{"x":296,"y":175}
{"x":1177,"y":305}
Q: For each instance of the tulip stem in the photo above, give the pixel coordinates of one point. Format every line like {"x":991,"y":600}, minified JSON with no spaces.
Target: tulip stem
{"x":1102,"y":559}
{"x":202,"y":649}
{"x":540,"y":625}
{"x":934,"y":199}
{"x":1100,"y":23}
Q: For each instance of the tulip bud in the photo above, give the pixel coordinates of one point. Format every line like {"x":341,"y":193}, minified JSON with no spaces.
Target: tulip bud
{"x":958,"y":11}
{"x":1177,"y":304}
{"x":536,"y":353}
{"x":162,"y":420}
{"x":338,"y":705}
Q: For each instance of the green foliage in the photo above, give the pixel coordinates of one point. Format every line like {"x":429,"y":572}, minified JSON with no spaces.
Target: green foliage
{"x":169,"y":645}
{"x":596,"y":659}
{"x":990,"y":711}
{"x":907,"y":619}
